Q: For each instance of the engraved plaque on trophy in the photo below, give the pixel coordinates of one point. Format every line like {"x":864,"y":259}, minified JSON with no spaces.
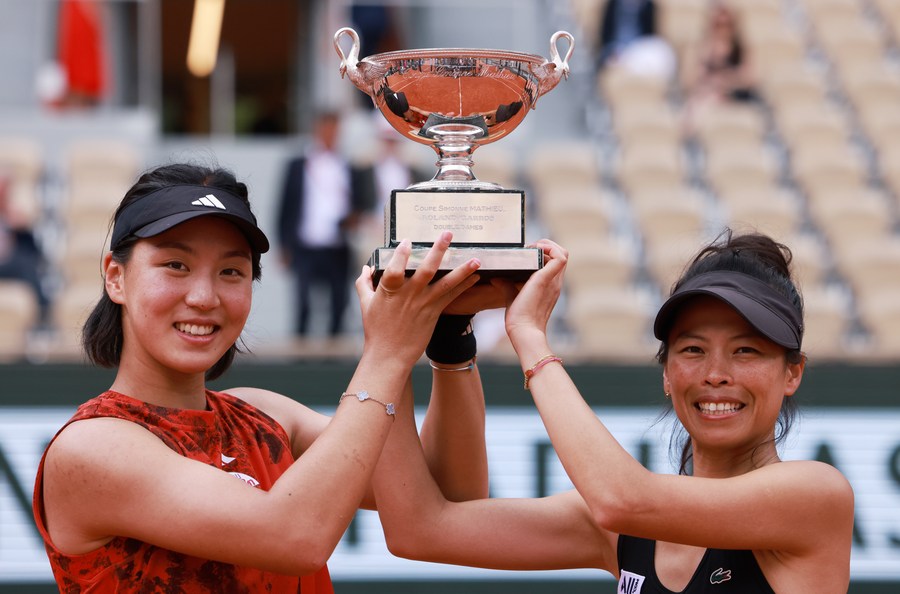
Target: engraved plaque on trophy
{"x":456,"y":100}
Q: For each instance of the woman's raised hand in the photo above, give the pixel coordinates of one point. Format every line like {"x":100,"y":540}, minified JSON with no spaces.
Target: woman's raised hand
{"x":529,"y":308}
{"x":399,"y":314}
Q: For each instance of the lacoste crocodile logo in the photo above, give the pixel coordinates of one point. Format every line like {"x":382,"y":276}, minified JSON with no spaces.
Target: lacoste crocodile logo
{"x":720,"y":575}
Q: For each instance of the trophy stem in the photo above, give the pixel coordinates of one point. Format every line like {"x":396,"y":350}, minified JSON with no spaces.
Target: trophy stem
{"x":455,"y":144}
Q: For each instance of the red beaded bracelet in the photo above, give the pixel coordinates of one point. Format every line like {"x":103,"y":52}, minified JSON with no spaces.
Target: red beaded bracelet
{"x":529,"y":373}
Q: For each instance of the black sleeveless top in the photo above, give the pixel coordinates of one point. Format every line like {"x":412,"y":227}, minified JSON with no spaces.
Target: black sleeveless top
{"x":720,"y":571}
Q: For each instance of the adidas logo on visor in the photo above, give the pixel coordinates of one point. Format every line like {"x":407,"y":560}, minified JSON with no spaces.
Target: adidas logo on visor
{"x":209,"y":200}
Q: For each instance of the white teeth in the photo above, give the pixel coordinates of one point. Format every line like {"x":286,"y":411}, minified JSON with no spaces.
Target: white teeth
{"x":195,"y":329}
{"x":718,"y":408}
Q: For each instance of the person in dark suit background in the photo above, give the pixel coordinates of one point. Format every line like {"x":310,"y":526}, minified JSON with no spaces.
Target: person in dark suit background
{"x":323,"y":199}
{"x":624,"y":22}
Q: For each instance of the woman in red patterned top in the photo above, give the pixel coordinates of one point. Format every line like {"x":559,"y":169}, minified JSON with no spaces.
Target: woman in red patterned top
{"x":131,"y":494}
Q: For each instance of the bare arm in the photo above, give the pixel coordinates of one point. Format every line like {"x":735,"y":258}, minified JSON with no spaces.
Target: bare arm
{"x":453,"y":431}
{"x":554,"y":532}
{"x":789,"y":507}
{"x":107,"y":477}
{"x":453,"y":434}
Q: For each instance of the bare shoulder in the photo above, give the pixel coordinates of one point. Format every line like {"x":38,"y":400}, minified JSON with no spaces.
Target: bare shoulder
{"x":264,"y":400}
{"x":104,"y":461}
{"x":301,"y":423}
{"x":96,"y":438}
{"x":818,"y":558}
{"x":99,"y":446}
{"x":821,"y":478}
{"x":822,"y":502}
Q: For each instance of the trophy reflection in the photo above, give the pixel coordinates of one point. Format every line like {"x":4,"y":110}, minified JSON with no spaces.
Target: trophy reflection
{"x":456,"y":100}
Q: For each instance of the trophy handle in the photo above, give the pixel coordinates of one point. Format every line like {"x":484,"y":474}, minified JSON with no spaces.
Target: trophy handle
{"x":351,"y":65}
{"x":563,"y":64}
{"x":556,"y":67}
{"x":348,"y":62}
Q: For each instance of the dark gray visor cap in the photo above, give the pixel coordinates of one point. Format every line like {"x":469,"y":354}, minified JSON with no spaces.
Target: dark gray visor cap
{"x":162,"y":209}
{"x":767,"y":310}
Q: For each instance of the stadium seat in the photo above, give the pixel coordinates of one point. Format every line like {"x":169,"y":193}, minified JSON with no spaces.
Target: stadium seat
{"x":642,"y":169}
{"x":832,"y":167}
{"x":774,"y":47}
{"x":571,"y":162}
{"x":792,"y":85}
{"x":827,"y":314}
{"x":18,"y":312}
{"x":729,"y":124}
{"x":106,"y":160}
{"x":622,"y":89}
{"x":613,"y":324}
{"x":22,"y":164}
{"x":767,"y":210}
{"x":599,"y":261}
{"x":573,"y":211}
{"x":666,"y":255}
{"x":814,"y":125}
{"x":731,"y":168}
{"x":497,"y":164}
{"x":682,"y":22}
{"x":881,"y":317}
{"x":872,"y":269}
{"x":849,"y":216}
{"x":649,"y":125}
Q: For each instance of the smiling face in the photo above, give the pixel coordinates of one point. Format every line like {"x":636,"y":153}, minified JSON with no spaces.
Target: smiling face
{"x":185,"y":297}
{"x":726,"y":380}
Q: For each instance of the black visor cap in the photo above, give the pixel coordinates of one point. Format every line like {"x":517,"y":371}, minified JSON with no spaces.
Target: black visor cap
{"x":165,"y":208}
{"x":770,"y":312}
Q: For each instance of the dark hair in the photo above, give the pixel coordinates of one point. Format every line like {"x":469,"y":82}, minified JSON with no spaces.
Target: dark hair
{"x":761,"y":257}
{"x":102,"y":336}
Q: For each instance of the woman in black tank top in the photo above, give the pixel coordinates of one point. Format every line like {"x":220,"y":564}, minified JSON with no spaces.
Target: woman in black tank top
{"x":735,"y":519}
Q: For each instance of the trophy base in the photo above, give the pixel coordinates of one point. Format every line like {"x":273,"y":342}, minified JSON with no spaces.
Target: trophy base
{"x":515,"y":264}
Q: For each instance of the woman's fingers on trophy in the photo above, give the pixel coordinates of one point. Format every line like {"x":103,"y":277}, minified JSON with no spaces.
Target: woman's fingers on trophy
{"x":365,"y":288}
{"x":456,"y":282}
{"x":431,"y":263}
{"x":506,"y":290}
{"x":553,"y":252}
{"x":556,"y":257}
{"x":535,"y":301}
{"x":478,"y":298}
{"x":439,"y":291}
{"x":453,"y":282}
{"x":394,"y":274}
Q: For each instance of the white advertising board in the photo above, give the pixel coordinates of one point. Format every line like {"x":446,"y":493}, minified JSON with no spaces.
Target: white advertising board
{"x":863,"y":443}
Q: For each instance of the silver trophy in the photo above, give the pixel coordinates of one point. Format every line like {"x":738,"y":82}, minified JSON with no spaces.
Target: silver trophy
{"x":456,"y":100}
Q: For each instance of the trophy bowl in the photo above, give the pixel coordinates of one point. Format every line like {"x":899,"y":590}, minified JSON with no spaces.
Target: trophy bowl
{"x":454,"y":100}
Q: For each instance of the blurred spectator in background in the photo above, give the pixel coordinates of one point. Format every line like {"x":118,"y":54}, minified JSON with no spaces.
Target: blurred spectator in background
{"x":378,"y":32}
{"x":377,"y":28}
{"x":623,"y":23}
{"x":719,"y":67}
{"x":20,"y":256}
{"x":323,"y":199}
{"x":629,"y":40}
{"x":391,"y":170}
